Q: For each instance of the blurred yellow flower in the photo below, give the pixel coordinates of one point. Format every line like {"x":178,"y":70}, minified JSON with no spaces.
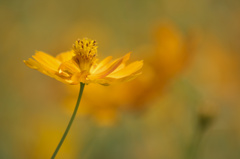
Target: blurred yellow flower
{"x":80,"y":65}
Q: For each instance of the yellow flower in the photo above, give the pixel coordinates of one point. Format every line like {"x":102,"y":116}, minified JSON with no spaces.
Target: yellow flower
{"x":80,"y":65}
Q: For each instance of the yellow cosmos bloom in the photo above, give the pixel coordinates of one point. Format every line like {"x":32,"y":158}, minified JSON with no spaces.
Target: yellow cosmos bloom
{"x":80,"y":65}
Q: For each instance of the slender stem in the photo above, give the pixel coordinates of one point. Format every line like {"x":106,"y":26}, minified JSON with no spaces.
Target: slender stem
{"x":71,"y":120}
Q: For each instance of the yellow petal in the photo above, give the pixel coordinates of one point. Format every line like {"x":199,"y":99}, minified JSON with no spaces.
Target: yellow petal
{"x":64,"y":80}
{"x":125,"y":58}
{"x":68,"y":68}
{"x":104,"y":81}
{"x":127,"y":71}
{"x":47,"y":61}
{"x":107,"y":71}
{"x":35,"y":65}
{"x":80,"y":77}
{"x":32,"y":63}
{"x":65,"y":56}
{"x":129,"y":78}
{"x":108,"y":80}
{"x":123,"y":64}
{"x":101,"y":65}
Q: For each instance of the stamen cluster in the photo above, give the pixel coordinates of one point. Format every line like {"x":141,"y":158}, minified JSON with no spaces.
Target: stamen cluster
{"x":85,"y":51}
{"x":85,"y":48}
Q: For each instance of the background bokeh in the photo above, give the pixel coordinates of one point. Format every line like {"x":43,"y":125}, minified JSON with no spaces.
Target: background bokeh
{"x":185,"y":105}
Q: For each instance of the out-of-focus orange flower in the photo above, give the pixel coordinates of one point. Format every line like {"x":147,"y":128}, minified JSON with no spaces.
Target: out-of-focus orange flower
{"x":173,"y":51}
{"x":80,"y":65}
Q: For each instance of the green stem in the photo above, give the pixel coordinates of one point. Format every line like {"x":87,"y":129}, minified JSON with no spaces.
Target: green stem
{"x":71,"y":120}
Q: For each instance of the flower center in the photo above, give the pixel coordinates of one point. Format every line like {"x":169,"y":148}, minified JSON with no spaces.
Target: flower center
{"x":85,"y":51}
